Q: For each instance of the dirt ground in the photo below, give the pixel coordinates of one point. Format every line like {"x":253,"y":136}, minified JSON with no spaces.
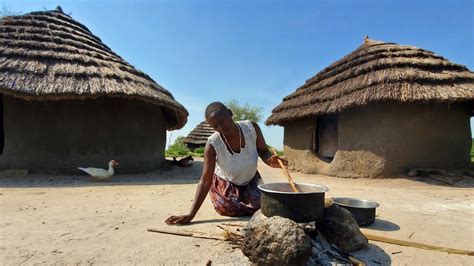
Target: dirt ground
{"x":69,"y":220}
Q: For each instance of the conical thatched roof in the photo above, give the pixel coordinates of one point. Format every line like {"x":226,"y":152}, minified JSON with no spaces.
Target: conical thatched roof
{"x":49,"y":56}
{"x":199,"y":134}
{"x":377,"y":71}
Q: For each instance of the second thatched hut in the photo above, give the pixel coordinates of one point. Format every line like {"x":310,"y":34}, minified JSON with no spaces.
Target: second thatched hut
{"x":198,"y":136}
{"x":380,"y":111}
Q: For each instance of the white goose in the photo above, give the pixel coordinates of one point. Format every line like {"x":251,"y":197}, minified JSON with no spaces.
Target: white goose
{"x":100,"y":174}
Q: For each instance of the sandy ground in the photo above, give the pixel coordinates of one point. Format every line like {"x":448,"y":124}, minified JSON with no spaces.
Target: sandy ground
{"x":69,"y":220}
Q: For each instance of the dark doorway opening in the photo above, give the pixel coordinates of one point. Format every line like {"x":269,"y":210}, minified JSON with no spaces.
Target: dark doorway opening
{"x":326,"y":136}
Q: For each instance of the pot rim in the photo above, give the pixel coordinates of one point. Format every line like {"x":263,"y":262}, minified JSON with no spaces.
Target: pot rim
{"x":323,"y":188}
{"x":375,"y":204}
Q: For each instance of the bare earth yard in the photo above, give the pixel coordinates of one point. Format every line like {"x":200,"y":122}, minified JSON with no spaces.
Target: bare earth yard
{"x":69,"y":220}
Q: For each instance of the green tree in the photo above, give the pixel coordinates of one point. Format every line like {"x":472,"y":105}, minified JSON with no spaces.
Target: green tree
{"x":244,"y":112}
{"x":178,"y":148}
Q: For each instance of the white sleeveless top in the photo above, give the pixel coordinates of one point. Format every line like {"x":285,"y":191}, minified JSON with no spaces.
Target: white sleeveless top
{"x":238,"y":168}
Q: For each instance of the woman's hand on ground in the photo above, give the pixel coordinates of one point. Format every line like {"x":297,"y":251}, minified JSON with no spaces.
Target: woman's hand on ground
{"x":180,"y":219}
{"x":273,"y":161}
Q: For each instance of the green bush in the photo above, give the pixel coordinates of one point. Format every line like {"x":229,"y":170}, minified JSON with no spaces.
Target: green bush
{"x":178,"y":148}
{"x":198,"y":152}
{"x":472,"y":151}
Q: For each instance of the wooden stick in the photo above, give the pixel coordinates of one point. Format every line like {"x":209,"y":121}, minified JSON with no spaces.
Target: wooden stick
{"x":230,"y":224}
{"x":283,"y":167}
{"x":183,"y":234}
{"x":417,"y":245}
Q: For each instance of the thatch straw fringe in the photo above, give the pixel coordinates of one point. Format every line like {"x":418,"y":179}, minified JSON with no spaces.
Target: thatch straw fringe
{"x":56,"y":18}
{"x":199,"y":134}
{"x":401,"y":92}
{"x":374,"y":72}
{"x":58,"y":43}
{"x":374,"y":78}
{"x":49,"y":56}
{"x":32,"y":29}
{"x":381,"y":63}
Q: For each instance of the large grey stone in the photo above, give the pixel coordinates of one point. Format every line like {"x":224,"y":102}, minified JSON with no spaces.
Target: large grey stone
{"x":339,"y":228}
{"x":276,"y":241}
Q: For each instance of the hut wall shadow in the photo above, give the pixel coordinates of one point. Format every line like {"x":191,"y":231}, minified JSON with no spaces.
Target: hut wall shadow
{"x":166,"y":175}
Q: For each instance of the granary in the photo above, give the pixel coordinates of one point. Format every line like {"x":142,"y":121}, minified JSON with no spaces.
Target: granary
{"x":68,"y":100}
{"x":379,"y":111}
{"x":198,"y":136}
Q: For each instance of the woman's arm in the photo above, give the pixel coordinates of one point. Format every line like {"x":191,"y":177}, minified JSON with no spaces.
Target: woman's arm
{"x":264,"y":153}
{"x":203,"y":187}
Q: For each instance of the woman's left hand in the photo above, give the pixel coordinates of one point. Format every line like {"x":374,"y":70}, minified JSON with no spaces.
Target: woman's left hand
{"x":273,"y":161}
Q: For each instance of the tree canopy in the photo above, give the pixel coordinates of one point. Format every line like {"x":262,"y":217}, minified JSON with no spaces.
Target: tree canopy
{"x":244,"y":112}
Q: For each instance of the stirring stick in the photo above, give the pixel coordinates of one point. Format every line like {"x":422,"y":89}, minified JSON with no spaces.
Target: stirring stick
{"x":283,"y":167}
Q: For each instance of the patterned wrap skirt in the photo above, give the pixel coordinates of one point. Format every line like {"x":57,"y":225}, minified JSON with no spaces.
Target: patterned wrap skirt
{"x":233,"y":200}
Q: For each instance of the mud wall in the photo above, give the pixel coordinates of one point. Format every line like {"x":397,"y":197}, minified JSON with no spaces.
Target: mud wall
{"x":388,"y":139}
{"x":59,"y":136}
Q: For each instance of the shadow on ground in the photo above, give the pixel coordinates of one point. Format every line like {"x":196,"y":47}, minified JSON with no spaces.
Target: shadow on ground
{"x":166,"y":175}
{"x":382,"y":225}
{"x":373,"y":255}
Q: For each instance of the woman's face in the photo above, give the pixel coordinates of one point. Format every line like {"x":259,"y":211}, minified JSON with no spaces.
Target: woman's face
{"x":221,"y":122}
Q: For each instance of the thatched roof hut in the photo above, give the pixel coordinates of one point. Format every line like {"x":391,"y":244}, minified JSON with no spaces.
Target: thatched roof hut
{"x":376,"y":72}
{"x":386,"y":81}
{"x":198,"y":136}
{"x":47,"y":55}
{"x":51,"y":64}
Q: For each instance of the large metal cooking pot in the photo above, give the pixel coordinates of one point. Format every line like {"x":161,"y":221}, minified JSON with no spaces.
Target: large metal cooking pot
{"x":278,"y":199}
{"x":362,"y":210}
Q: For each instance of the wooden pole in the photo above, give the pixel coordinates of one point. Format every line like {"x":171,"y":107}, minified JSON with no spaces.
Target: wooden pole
{"x":418,"y":245}
{"x":183,"y":234}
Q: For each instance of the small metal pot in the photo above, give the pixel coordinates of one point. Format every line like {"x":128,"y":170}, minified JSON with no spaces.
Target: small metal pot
{"x":362,"y":210}
{"x":278,"y":199}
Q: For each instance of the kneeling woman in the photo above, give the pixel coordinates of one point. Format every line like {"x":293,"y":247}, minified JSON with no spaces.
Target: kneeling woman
{"x":230,"y":171}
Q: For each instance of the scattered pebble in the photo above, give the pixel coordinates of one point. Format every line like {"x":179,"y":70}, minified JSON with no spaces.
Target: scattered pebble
{"x":116,"y":228}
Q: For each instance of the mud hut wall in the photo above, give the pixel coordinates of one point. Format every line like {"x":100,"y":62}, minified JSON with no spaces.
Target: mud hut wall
{"x":327,"y":137}
{"x":299,"y":146}
{"x":59,"y":136}
{"x":391,"y":138}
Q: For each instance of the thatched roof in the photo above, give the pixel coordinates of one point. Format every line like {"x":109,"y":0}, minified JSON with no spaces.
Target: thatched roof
{"x":49,"y":56}
{"x":199,"y":134}
{"x":375,"y":72}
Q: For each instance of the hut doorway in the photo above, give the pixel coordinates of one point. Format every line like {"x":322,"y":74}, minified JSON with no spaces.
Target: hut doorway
{"x":326,"y":136}
{"x":2,"y":131}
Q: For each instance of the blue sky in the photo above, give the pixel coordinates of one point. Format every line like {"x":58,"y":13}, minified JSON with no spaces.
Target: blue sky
{"x":257,"y":52}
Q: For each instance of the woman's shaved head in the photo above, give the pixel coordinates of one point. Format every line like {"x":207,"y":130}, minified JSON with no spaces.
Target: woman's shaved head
{"x":216,"y":108}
